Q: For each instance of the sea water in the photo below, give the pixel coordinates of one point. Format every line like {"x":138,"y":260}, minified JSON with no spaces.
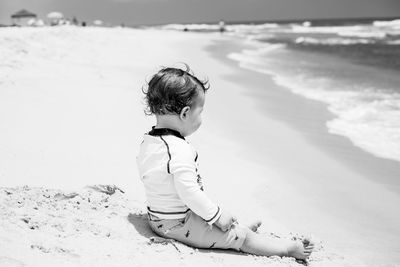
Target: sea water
{"x":354,"y":68}
{"x":351,"y":65}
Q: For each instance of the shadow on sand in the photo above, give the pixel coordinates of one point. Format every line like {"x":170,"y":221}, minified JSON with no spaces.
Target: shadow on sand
{"x":139,"y":221}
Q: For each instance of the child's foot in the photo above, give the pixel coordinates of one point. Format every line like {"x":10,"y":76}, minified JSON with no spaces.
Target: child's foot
{"x":255,"y":225}
{"x":301,"y":250}
{"x":308,"y":242}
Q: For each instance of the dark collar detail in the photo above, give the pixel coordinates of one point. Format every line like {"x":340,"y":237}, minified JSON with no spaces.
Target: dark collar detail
{"x":165,"y":131}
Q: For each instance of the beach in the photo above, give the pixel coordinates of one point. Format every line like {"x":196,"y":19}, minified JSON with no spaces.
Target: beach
{"x":71,"y":115}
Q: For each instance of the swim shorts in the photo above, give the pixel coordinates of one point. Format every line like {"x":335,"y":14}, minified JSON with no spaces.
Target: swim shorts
{"x":194,"y":231}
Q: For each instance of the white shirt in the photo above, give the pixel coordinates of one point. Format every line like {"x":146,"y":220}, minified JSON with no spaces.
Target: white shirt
{"x":168,"y":168}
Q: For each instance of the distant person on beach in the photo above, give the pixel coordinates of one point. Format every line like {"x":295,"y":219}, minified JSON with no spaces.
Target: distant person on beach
{"x":221,"y":26}
{"x":178,"y":207}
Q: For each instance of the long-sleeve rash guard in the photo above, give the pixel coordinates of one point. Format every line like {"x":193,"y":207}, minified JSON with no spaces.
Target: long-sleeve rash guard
{"x":168,"y":168}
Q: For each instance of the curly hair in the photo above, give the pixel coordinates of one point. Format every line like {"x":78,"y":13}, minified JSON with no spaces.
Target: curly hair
{"x":172,"y":89}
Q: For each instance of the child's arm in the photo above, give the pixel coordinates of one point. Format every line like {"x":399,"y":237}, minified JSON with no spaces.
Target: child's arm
{"x":199,"y":203}
{"x":183,"y":167}
{"x":189,"y":191}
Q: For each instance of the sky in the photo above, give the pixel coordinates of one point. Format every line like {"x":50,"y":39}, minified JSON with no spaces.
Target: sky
{"x":137,"y":12}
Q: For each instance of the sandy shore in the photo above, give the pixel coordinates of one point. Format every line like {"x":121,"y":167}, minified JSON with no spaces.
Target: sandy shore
{"x":71,"y":115}
{"x":102,"y":226}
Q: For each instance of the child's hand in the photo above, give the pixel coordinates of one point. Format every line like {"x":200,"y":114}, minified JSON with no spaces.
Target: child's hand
{"x":225,"y":221}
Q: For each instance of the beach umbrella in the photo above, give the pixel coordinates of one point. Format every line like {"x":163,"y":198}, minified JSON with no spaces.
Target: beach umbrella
{"x":55,"y":15}
{"x":23,"y":14}
{"x":22,"y":17}
{"x":55,"y":18}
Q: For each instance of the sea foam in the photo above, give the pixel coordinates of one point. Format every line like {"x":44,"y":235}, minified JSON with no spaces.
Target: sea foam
{"x":331,"y":41}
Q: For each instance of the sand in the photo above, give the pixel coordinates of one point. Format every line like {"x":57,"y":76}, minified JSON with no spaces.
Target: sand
{"x":101,"y":226}
{"x":71,"y":115}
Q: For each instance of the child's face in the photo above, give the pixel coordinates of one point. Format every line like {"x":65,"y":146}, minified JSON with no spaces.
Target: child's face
{"x":192,"y":121}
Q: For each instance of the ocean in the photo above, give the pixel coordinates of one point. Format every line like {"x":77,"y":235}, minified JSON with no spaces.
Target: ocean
{"x":352,"y":65}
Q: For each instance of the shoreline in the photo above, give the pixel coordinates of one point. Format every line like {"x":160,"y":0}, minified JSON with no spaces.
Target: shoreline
{"x":336,"y":154}
{"x":361,"y":161}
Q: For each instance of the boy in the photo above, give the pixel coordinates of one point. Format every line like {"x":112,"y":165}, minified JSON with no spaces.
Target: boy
{"x":178,"y":207}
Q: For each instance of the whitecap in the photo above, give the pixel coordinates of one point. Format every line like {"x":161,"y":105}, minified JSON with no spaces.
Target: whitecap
{"x":390,"y":23}
{"x":331,"y":41}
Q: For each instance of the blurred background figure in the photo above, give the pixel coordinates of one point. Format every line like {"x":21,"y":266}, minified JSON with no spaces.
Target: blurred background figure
{"x":221,"y":25}
{"x":75,"y":21}
{"x":98,"y":23}
{"x":35,"y":22}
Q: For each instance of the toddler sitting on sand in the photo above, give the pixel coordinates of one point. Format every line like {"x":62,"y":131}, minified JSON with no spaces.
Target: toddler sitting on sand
{"x":178,"y":207}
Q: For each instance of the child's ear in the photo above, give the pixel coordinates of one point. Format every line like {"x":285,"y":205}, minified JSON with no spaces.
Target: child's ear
{"x":184,"y":112}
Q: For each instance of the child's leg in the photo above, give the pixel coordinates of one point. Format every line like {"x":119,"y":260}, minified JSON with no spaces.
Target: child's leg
{"x":265,"y":246}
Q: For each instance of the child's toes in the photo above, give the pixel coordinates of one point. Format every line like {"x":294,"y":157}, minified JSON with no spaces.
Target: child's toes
{"x":310,"y":247}
{"x":255,"y":225}
{"x":307,"y":242}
